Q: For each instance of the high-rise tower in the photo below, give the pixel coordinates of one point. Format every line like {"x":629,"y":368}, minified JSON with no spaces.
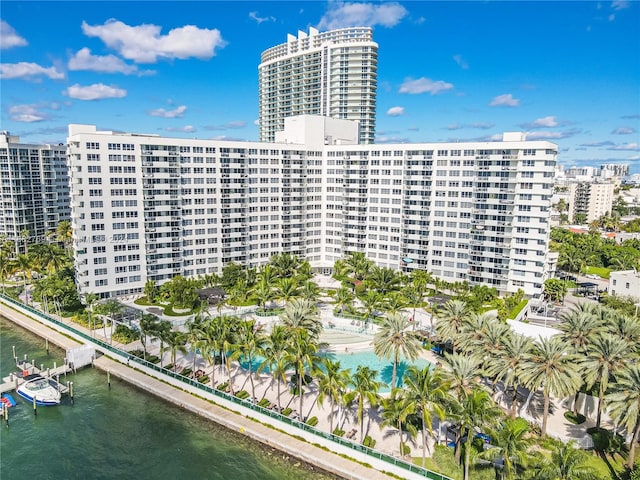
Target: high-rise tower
{"x":333,"y":74}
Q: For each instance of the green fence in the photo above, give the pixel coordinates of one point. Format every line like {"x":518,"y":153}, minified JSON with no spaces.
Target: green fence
{"x":244,"y":403}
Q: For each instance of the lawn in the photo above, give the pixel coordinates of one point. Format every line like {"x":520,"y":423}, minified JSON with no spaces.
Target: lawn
{"x":602,"y":272}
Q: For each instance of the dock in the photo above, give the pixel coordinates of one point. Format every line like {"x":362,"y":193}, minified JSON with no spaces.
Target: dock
{"x":24,"y":368}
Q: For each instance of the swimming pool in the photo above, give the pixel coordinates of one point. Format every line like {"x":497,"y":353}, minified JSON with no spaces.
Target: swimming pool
{"x":363,"y":357}
{"x":371,"y":360}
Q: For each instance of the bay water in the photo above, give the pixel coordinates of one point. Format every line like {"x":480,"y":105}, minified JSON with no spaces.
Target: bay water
{"x":122,"y":432}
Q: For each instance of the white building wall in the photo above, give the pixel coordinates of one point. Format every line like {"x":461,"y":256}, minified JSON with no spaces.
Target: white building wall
{"x":625,"y":283}
{"x":148,"y":208}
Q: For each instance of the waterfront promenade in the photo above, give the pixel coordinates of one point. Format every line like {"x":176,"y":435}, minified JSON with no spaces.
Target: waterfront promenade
{"x":319,"y":451}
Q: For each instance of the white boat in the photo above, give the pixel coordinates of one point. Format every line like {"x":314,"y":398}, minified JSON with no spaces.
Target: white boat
{"x":44,"y":390}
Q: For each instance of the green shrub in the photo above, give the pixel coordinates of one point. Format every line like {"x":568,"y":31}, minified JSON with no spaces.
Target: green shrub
{"x":153,"y":359}
{"x":203,"y":378}
{"x":369,"y":442}
{"x":312,"y":422}
{"x":406,"y":449}
{"x":286,"y":412}
{"x":604,"y":440}
{"x":338,"y":432}
{"x":264,"y":403}
{"x":223,"y":386}
{"x":169,"y":366}
{"x":573,"y":418}
{"x":186,"y":371}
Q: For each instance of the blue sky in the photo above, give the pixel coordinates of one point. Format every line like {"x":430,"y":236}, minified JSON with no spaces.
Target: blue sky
{"x":568,"y":72}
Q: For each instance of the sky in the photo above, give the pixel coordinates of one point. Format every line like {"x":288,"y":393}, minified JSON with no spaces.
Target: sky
{"x":568,"y":72}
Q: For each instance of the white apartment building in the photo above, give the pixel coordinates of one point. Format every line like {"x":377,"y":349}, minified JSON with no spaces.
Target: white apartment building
{"x":147,"y":207}
{"x":35,"y":189}
{"x":591,"y":199}
{"x":625,"y":283}
{"x":332,"y":74}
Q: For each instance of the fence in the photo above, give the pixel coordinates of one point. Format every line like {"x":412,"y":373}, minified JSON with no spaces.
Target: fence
{"x":389,"y":459}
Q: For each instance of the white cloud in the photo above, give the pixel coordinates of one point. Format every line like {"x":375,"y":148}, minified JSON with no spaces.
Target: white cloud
{"x":461,"y":62}
{"x":424,"y":85}
{"x":254,"y":16}
{"x":27,"y":113}
{"x":177,"y":112}
{"x":9,"y":38}
{"x":626,"y":146}
{"x":542,"y":135}
{"x":395,"y":111}
{"x":482,"y":125}
{"x":544,"y":122}
{"x":505,"y":100}
{"x":97,"y":91}
{"x":619,"y":4}
{"x":345,"y":14}
{"x":624,"y":131}
{"x":28,"y":70}
{"x":185,"y":129}
{"x":84,"y":60}
{"x":145,"y":44}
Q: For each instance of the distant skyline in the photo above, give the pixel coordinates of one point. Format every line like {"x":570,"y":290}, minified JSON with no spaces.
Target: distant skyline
{"x":568,"y":72}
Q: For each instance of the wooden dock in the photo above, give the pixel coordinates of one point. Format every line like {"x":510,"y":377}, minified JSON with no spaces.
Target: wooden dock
{"x":24,"y":368}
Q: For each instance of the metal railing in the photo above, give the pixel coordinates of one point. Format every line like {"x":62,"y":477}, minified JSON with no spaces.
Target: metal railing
{"x":246,"y":403}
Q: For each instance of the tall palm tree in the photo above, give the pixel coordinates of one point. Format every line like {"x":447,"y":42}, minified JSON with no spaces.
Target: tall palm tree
{"x":395,"y":302}
{"x":477,"y":411}
{"x":302,"y":314}
{"x":163,"y":333}
{"x":371,"y":302}
{"x":566,"y":463}
{"x":551,"y":369}
{"x":623,"y":403}
{"x":358,"y":264}
{"x":332,"y":383}
{"x":250,"y":344}
{"x":394,"y":340}
{"x":625,"y":327}
{"x":507,"y":366}
{"x":451,"y":317}
{"x":148,"y":327}
{"x":310,"y":291}
{"x":473,"y":332}
{"x":64,"y":233}
{"x":90,"y":300}
{"x":176,"y":343}
{"x":383,"y":280}
{"x":428,"y":390}
{"x":275,"y":356}
{"x":510,"y":443}
{"x":344,"y":298}
{"x":303,"y":355}
{"x":604,"y":357}
{"x":365,"y":388}
{"x":110,"y":308}
{"x":395,"y":410}
{"x":263,"y":292}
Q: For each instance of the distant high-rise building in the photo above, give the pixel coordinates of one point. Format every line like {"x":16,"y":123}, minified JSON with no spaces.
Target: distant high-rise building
{"x":590,"y":200}
{"x":35,"y":188}
{"x":333,"y":74}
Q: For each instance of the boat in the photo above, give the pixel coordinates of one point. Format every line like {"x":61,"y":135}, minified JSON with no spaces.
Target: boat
{"x":45,"y":390}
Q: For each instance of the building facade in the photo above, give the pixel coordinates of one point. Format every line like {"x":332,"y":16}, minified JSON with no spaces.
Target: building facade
{"x":147,"y":207}
{"x":590,"y":199}
{"x":625,"y":283}
{"x":35,"y":189}
{"x":332,"y":74}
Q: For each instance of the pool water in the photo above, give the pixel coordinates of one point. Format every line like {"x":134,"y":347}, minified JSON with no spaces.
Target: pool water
{"x":351,"y":360}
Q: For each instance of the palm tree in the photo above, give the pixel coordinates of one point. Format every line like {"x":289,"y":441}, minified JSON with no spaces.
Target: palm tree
{"x":507,"y":366}
{"x":414,"y":297}
{"x":303,"y":356}
{"x":566,"y":463}
{"x":451,"y":317}
{"x":428,"y":390}
{"x":477,"y":411}
{"x":344,"y":297}
{"x":150,"y":290}
{"x":64,"y":233}
{"x":395,"y":410}
{"x":196,"y":335}
{"x":332,"y":383}
{"x":24,"y":264}
{"x":24,"y":235}
{"x":365,"y":388}
{"x":288,"y":289}
{"x":263,"y":292}
{"x":551,"y":369}
{"x":148,"y":327}
{"x":473,"y":333}
{"x":275,"y":356}
{"x":395,"y":339}
{"x":358,"y":264}
{"x":371,"y":301}
{"x":395,"y":302}
{"x":509,"y":443}
{"x":109,"y":308}
{"x":302,"y":314}
{"x":383,"y":280}
{"x":250,"y":344}
{"x":89,"y":301}
{"x":604,"y":357}
{"x":623,"y":404}
{"x":48,"y":257}
{"x":310,"y":291}
{"x":163,"y":332}
{"x":176,"y":342}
